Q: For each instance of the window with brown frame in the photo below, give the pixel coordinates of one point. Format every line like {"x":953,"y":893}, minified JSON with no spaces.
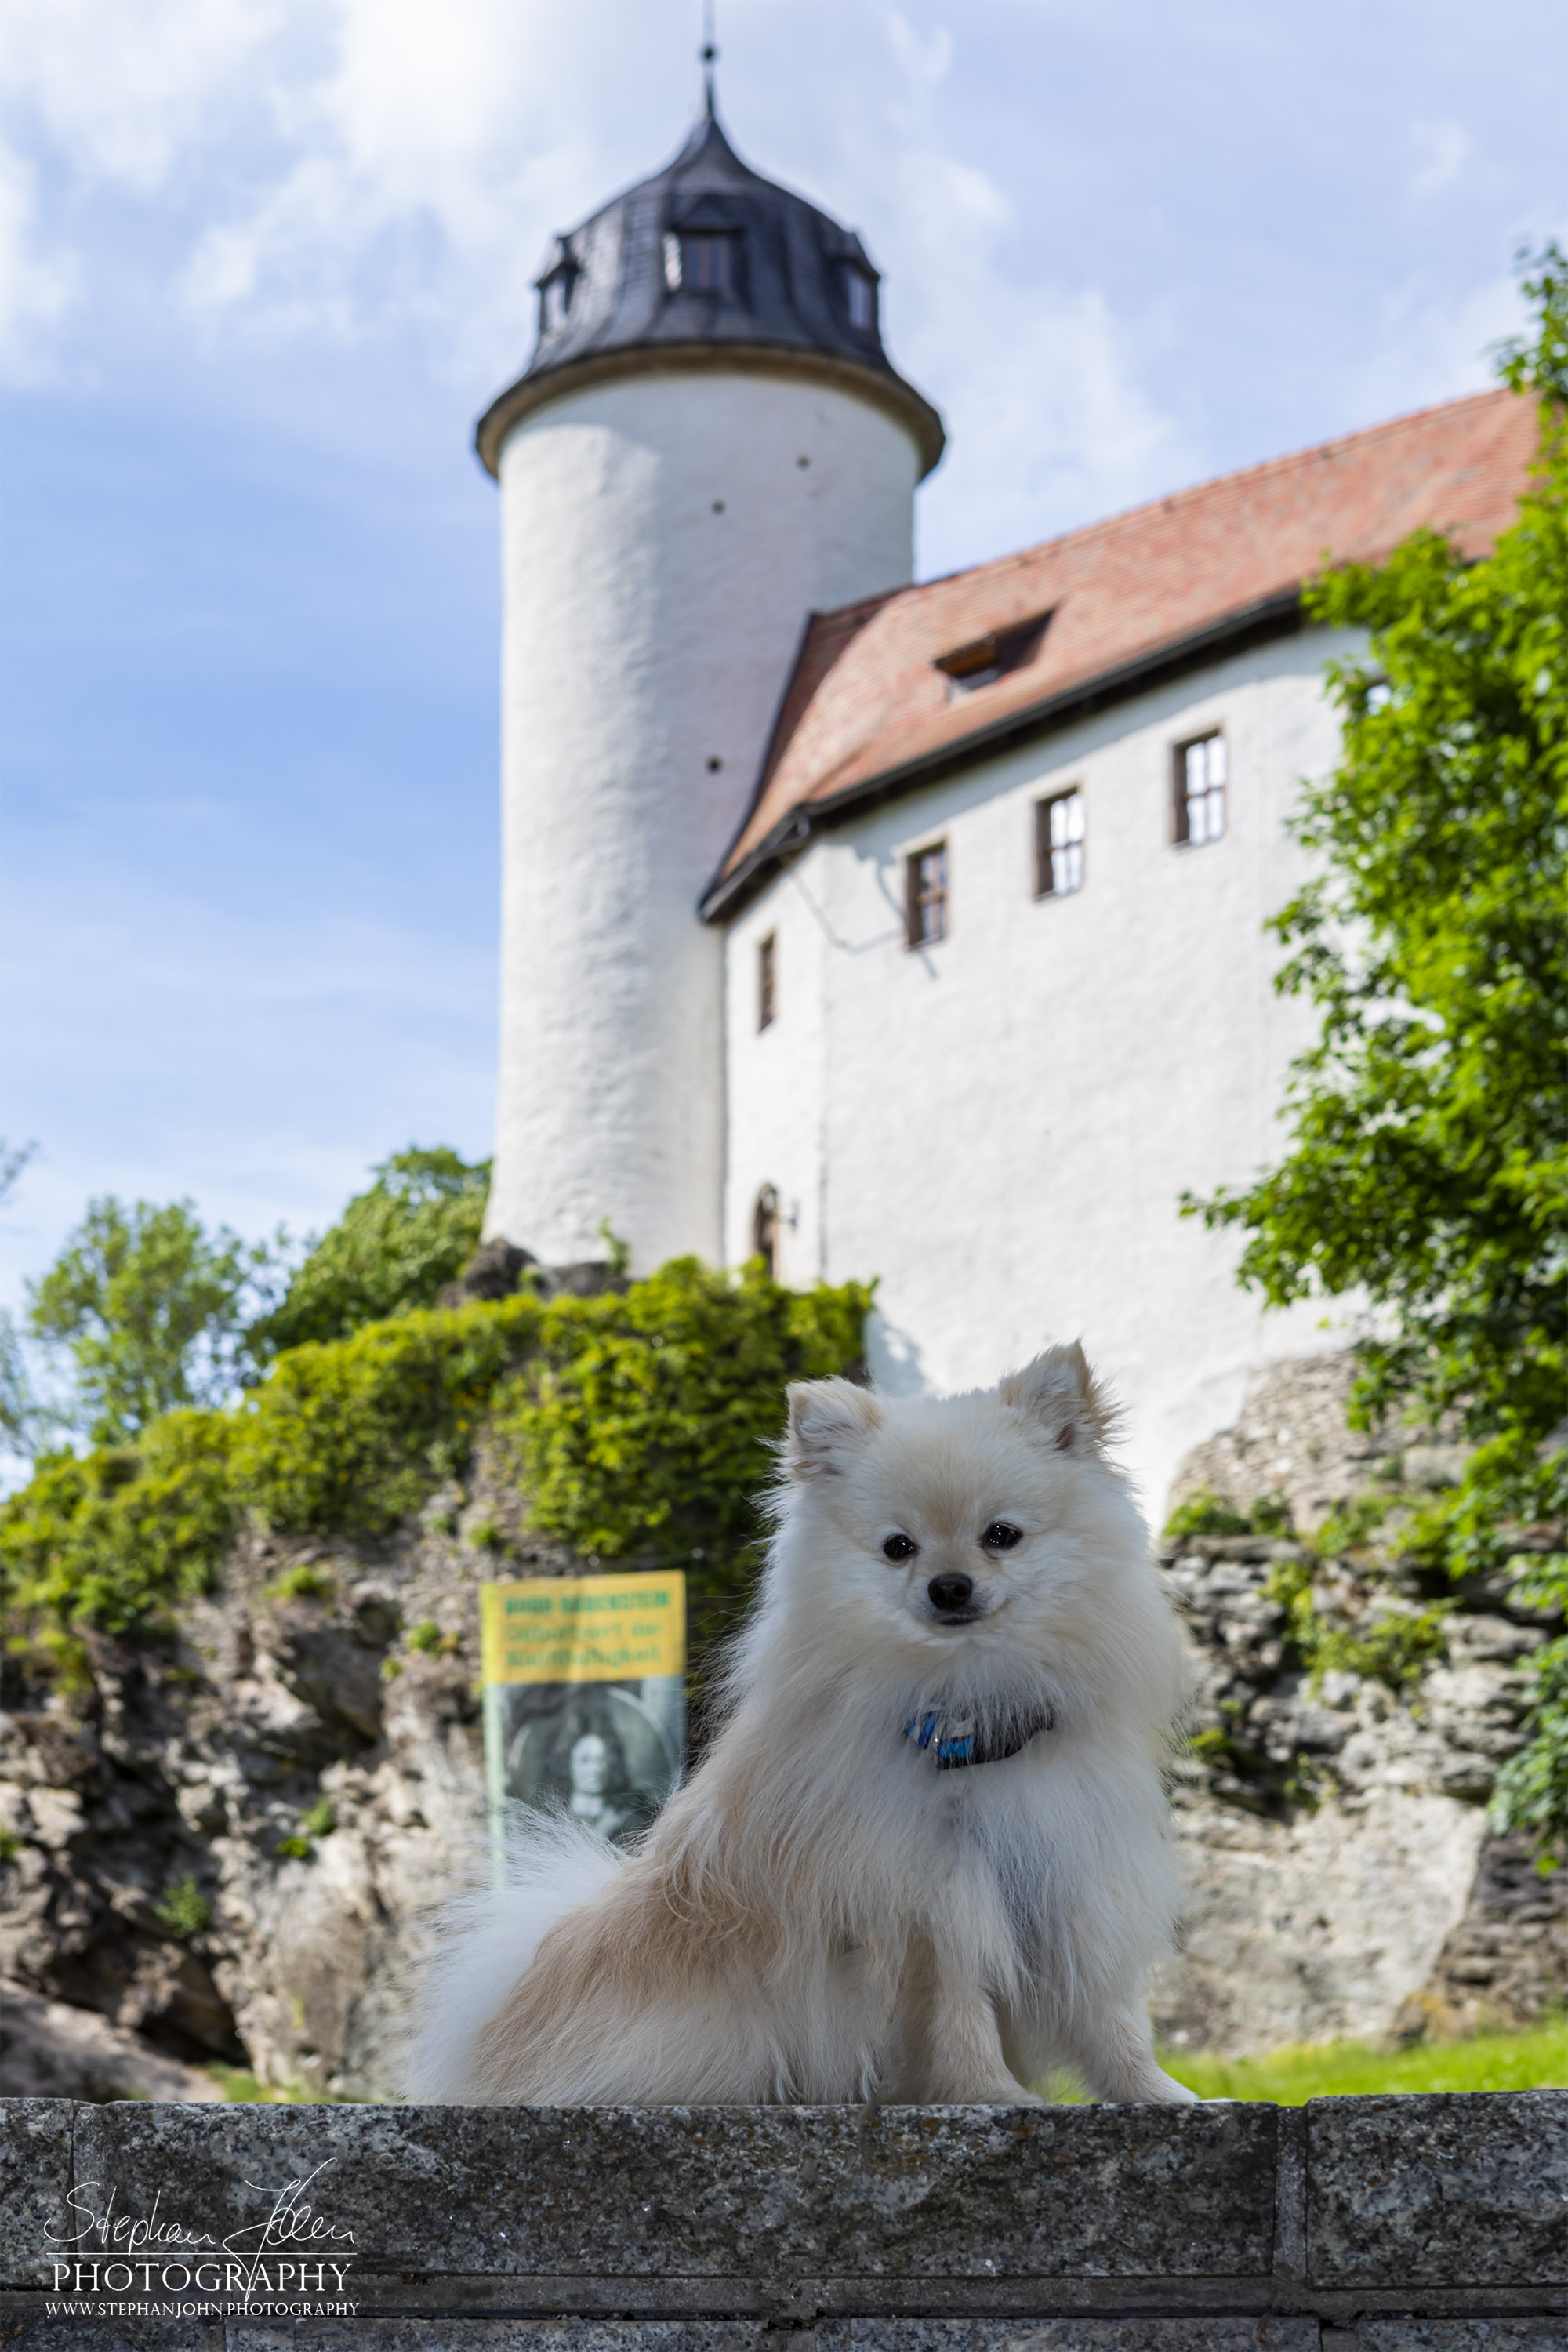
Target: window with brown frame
{"x":1059,"y":826}
{"x":767,"y":980}
{"x":765,"y":1228}
{"x":1198,"y":790}
{"x":925,"y":896}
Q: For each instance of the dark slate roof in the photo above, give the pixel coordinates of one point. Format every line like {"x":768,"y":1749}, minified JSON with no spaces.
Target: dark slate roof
{"x":787,"y":305}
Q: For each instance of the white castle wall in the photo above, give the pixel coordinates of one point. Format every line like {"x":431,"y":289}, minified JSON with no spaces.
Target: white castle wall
{"x":999,"y":1127}
{"x":664,"y":539}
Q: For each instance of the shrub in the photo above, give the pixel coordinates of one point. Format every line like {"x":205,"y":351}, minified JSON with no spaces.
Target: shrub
{"x":110,"y":1540}
{"x":390,"y":1252}
{"x":643,"y":1430}
{"x":356,"y":1433}
{"x":302,"y":1584}
{"x":1396,"y":1648}
{"x":638,"y":1423}
{"x":185,"y":1911}
{"x":1204,"y":1513}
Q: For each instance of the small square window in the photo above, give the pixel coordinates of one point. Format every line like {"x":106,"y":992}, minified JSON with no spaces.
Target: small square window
{"x":1058,"y":845}
{"x":699,"y":261}
{"x":557,"y":293}
{"x":767,"y":980}
{"x":1199,"y":790}
{"x":860,"y":300}
{"x":925,"y":896}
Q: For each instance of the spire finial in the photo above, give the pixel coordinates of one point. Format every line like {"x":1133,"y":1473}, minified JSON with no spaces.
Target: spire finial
{"x":708,"y":55}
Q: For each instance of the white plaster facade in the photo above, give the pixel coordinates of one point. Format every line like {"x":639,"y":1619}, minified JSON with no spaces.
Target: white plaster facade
{"x":998,"y":1127}
{"x":665,"y":535}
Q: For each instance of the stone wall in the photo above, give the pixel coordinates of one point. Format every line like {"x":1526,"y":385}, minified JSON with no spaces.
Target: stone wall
{"x":1343,"y":1880}
{"x":1355,"y":2225}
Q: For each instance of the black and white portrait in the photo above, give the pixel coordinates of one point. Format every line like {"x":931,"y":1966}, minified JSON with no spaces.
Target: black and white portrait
{"x":608,"y":1754}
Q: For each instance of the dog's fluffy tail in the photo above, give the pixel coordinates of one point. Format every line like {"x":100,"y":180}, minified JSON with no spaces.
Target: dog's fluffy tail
{"x":486,"y":1939}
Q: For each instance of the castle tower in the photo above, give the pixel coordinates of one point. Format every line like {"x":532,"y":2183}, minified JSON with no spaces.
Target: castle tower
{"x":709,"y":444}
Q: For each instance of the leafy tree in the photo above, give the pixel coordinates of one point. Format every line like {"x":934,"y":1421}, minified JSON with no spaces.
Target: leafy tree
{"x":390,"y":1252}
{"x":1429,"y":1165}
{"x":151,"y":1309}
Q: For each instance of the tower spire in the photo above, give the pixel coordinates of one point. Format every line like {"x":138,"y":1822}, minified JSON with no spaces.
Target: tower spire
{"x":709,"y":56}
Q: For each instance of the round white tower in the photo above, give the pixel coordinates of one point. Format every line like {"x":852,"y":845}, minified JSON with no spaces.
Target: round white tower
{"x":708,"y":444}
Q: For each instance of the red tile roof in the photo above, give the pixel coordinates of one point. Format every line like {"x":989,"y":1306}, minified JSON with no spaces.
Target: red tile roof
{"x":867,"y":711}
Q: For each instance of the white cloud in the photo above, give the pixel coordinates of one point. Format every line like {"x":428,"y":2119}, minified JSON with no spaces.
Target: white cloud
{"x":36,"y":287}
{"x":121,"y":88}
{"x":339,"y":168}
{"x":1044,"y":386}
{"x":1442,"y":150}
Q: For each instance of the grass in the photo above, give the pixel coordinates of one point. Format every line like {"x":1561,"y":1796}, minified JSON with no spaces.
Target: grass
{"x":235,"y":2083}
{"x":1536,"y":2060}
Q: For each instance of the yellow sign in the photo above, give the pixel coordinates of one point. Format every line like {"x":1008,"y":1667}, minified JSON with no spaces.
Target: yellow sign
{"x":583,"y":1629}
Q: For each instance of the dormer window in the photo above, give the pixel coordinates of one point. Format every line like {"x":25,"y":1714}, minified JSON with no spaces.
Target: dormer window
{"x":859,"y":299}
{"x":699,"y":261}
{"x":555,"y":298}
{"x":985,"y":659}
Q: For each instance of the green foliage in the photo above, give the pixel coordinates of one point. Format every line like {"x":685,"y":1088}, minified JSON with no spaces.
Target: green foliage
{"x":644,"y":1429}
{"x":321,"y":1819}
{"x":237,"y":2082}
{"x":10,"y":1844}
{"x":1204,"y":1513}
{"x":428,"y":1637}
{"x":1211,"y":1745}
{"x":148,"y":1308}
{"x":185,"y":1911}
{"x":293,"y":1848}
{"x":1531,"y":1790}
{"x":302,"y":1584}
{"x":1428,"y":1166}
{"x":1396,"y":1648}
{"x":1536,"y":2060}
{"x":110,"y":1539}
{"x":354,"y":1434}
{"x":389,"y":1252}
{"x":638,"y":1424}
{"x":1351,"y":1528}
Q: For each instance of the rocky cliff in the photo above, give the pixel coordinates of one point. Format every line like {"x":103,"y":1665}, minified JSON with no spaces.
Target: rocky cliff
{"x":226,"y":1848}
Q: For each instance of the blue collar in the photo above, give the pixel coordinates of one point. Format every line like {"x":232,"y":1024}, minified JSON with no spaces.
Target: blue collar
{"x":955,"y":1739}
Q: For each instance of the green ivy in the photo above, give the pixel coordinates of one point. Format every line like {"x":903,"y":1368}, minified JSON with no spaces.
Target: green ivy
{"x":1396,"y":1648}
{"x":636,"y":1424}
{"x":642,"y":1432}
{"x":110,"y":1540}
{"x":1204,"y":1513}
{"x":352,"y":1435}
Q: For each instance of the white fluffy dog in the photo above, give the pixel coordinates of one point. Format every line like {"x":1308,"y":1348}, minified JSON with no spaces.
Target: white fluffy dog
{"x":927,"y":1857}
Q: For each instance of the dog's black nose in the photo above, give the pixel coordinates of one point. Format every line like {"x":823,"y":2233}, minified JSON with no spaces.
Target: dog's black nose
{"x":950,"y":1592}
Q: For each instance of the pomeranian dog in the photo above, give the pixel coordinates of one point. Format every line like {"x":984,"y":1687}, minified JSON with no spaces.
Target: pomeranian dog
{"x":927,"y":1857}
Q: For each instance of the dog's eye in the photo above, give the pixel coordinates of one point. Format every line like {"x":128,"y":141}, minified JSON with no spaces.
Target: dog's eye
{"x":1001,"y":1536}
{"x":899,"y":1547}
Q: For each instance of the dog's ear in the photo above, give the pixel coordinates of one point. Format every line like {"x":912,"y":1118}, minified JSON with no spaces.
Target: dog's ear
{"x":828,"y":1420}
{"x":1061,"y":1396}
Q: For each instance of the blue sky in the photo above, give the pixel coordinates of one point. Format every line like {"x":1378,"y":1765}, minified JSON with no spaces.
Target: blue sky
{"x":261,"y":263}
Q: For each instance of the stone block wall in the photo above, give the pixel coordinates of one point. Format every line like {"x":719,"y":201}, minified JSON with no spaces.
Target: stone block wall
{"x":1352,"y":2225}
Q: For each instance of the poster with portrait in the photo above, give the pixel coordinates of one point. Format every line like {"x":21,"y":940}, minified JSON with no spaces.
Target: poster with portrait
{"x":585,"y":1697}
